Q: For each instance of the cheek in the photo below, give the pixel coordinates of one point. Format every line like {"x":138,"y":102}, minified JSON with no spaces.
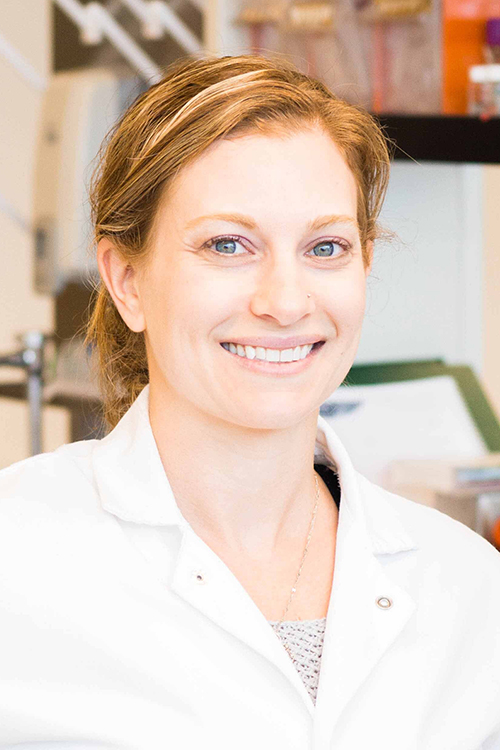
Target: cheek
{"x":184,"y":303}
{"x":345,"y":303}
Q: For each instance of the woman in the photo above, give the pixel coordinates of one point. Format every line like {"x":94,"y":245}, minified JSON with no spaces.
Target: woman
{"x":180,"y":583}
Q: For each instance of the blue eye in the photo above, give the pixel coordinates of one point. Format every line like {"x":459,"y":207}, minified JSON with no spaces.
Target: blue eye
{"x":224,"y":245}
{"x":229,"y":246}
{"x":327,"y":249}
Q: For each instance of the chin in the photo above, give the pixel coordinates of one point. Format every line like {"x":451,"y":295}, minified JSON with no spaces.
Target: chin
{"x":273,"y":418}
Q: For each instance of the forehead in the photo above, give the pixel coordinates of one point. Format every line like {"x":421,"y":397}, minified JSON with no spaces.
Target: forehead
{"x":274,"y":177}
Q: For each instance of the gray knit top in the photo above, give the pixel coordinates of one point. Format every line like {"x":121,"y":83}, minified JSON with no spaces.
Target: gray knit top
{"x":303,"y":640}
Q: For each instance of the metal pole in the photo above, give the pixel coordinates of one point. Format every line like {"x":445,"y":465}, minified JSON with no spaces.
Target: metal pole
{"x":33,"y":358}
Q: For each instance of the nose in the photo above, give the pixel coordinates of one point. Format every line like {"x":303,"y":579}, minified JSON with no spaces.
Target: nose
{"x":281,"y":293}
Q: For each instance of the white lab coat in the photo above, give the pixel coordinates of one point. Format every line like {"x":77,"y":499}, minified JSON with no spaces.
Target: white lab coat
{"x":109,"y":640}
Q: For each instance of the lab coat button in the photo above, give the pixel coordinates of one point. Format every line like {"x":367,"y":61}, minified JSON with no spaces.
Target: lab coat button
{"x":199,"y":577}
{"x":384,"y":602}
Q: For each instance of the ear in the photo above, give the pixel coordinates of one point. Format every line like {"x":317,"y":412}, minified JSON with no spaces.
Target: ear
{"x":121,"y":281}
{"x":368,"y":257}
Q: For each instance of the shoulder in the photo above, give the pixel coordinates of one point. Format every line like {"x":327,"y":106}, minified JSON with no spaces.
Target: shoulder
{"x":44,"y":483}
{"x":446,"y":546}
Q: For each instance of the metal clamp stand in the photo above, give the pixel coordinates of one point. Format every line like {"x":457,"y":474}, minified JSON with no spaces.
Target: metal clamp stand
{"x":30,"y":358}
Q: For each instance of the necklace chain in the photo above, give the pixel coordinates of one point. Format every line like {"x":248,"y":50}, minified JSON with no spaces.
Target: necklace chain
{"x":311,"y":527}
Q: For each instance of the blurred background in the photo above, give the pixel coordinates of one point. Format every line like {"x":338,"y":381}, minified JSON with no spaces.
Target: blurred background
{"x":429,"y":362}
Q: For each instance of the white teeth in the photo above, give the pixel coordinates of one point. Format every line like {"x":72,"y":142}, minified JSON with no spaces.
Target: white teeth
{"x":270,"y":355}
{"x":286,"y":355}
{"x":250,"y":352}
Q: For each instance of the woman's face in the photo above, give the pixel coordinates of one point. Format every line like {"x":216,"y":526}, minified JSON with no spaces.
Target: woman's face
{"x":256,"y":247}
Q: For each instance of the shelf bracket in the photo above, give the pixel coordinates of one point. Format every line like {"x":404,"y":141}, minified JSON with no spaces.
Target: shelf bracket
{"x":157,"y":17}
{"x":96,"y":23}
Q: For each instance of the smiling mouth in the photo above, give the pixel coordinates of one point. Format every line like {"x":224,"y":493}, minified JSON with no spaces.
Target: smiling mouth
{"x":272,"y":355}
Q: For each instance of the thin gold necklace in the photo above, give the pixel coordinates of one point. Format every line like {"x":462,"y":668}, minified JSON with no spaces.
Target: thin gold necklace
{"x":294,"y":587}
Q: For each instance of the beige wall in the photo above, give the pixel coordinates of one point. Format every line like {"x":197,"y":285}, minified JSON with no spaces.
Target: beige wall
{"x":26,"y":24}
{"x":491,"y":299}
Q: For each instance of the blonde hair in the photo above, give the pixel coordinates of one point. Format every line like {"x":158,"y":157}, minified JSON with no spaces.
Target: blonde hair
{"x":198,"y":102}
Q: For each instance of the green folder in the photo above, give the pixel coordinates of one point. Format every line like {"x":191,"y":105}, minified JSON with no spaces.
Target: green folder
{"x":477,"y":404}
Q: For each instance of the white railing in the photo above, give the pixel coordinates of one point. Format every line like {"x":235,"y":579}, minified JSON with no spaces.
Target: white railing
{"x":95,"y":23}
{"x":157,"y":17}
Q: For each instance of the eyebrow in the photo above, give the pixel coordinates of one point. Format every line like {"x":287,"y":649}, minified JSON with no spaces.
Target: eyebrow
{"x":248,"y":223}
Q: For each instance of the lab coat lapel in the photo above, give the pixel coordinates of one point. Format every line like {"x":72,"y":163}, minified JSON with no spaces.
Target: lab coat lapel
{"x":133,"y":486}
{"x":359,"y":630}
{"x":203,"y":580}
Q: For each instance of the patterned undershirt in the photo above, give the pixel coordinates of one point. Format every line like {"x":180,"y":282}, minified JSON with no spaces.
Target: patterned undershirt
{"x":304,"y":639}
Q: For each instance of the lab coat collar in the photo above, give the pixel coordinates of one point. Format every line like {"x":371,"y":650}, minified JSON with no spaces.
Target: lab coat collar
{"x":133,"y":485}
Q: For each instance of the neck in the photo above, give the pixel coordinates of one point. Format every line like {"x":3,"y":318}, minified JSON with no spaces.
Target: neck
{"x":252,"y":491}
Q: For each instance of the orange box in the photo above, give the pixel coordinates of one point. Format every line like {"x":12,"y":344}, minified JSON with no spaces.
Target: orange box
{"x":464,"y":23}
